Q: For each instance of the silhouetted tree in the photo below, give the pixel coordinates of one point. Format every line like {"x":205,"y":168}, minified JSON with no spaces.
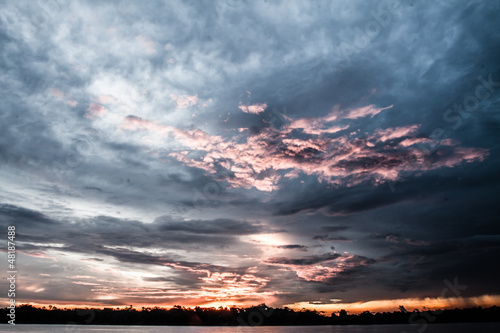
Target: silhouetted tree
{"x":255,"y":315}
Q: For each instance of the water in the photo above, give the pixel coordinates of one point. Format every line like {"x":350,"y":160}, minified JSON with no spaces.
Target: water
{"x":434,"y":328}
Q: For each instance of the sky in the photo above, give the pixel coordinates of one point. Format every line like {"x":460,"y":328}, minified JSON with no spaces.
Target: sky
{"x":317,"y":154}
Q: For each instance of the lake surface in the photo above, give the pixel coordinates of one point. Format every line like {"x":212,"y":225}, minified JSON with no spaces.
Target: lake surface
{"x":434,"y":328}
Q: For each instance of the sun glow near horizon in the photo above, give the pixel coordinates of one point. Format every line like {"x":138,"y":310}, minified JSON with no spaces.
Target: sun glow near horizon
{"x":410,"y":304}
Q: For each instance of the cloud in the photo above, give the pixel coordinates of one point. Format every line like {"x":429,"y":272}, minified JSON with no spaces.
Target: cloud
{"x":184,"y":101}
{"x":325,"y":268}
{"x":263,"y":159}
{"x":95,"y":111}
{"x":394,"y":133}
{"x":397,"y":239}
{"x":254,"y":108}
{"x":218,"y":226}
{"x":369,"y":110}
{"x":328,"y":238}
{"x":293,"y":247}
{"x":147,"y":43}
{"x":304,"y":261}
{"x":339,"y":228}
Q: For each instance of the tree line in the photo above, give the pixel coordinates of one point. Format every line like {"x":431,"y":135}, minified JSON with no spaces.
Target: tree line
{"x":236,"y":316}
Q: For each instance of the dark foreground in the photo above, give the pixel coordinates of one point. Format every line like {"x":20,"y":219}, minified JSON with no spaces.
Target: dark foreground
{"x":397,"y":328}
{"x":234,"y":316}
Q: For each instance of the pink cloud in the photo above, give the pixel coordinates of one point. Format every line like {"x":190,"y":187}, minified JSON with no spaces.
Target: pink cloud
{"x":369,"y":110}
{"x":414,"y":141}
{"x":95,"y":111}
{"x":61,"y":95}
{"x":262,"y":160}
{"x":449,"y":142}
{"x":107,"y":99}
{"x":316,"y":126}
{"x":147,"y":43}
{"x":135,"y":123}
{"x":395,"y":133}
{"x":39,"y":254}
{"x":216,"y":282}
{"x":229,"y":285}
{"x":185,"y":101}
{"x":254,"y":108}
{"x":314,"y":269}
{"x":72,"y":103}
{"x":57,"y":93}
{"x":323,"y":125}
{"x":195,"y":139}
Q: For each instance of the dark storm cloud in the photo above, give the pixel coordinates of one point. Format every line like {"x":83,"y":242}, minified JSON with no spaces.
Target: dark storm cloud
{"x":219,"y":226}
{"x":413,"y":187}
{"x":329,"y":238}
{"x":335,"y":228}
{"x":304,"y":261}
{"x":128,"y":256}
{"x":100,"y":233}
{"x":429,"y":110}
{"x":467,"y":259}
{"x":29,"y":218}
{"x":293,"y":247}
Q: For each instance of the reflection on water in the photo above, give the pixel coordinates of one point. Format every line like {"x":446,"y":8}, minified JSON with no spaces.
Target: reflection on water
{"x":435,"y":328}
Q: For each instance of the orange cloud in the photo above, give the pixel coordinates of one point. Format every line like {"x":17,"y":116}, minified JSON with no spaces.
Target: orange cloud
{"x":231,"y":286}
